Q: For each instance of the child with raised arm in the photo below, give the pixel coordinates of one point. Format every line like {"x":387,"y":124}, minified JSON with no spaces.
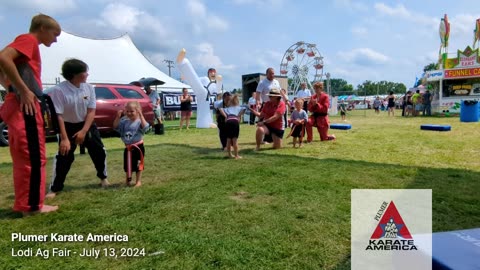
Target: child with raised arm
{"x":232,"y":113}
{"x":132,"y":127}
{"x":298,"y":118}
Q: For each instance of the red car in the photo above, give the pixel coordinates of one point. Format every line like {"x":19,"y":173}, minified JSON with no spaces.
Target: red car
{"x":110,"y":99}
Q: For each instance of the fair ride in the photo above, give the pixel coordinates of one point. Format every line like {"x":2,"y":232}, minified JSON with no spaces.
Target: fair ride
{"x":302,"y":62}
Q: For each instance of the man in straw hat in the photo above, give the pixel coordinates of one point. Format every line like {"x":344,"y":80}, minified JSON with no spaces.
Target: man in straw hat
{"x":271,"y":127}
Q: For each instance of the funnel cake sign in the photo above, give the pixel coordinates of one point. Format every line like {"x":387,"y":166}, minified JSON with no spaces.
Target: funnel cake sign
{"x":462,"y":73}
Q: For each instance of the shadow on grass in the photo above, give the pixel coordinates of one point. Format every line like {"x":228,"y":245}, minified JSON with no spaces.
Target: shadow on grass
{"x":302,"y":196}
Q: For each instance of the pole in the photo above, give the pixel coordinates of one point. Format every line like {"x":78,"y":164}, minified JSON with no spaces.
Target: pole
{"x":169,"y":65}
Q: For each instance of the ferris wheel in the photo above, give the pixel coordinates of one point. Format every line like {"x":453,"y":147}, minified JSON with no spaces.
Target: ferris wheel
{"x":302,"y":63}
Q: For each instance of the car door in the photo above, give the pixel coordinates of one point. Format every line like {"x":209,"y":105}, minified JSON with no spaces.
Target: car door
{"x":108,"y":103}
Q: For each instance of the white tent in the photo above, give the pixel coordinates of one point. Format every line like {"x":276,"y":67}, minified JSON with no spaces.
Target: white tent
{"x":114,"y":60}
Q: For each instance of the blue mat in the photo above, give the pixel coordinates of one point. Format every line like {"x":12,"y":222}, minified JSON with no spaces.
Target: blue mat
{"x":340,"y":126}
{"x":456,"y":250}
{"x":436,"y":127}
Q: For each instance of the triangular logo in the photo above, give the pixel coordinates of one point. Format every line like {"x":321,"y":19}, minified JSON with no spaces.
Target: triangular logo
{"x":391,"y":225}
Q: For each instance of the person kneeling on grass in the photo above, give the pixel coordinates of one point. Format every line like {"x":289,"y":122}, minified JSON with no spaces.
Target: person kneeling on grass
{"x":232,"y":113}
{"x":271,"y":128}
{"x":132,"y":127}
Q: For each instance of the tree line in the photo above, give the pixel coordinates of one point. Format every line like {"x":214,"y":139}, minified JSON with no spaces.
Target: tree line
{"x":367,"y":88}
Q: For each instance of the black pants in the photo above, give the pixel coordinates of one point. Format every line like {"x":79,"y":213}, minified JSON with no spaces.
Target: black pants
{"x":96,"y":151}
{"x":222,"y":133}
{"x":252,"y":118}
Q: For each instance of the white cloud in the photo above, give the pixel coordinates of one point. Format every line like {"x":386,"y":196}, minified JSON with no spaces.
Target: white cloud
{"x":261,"y":3}
{"x":196,"y":8}
{"x":365,"y":57}
{"x":350,"y":5}
{"x":45,"y":6}
{"x":218,"y":23}
{"x":204,"y":21}
{"x":462,"y":24}
{"x":359,"y":31}
{"x":207,"y":58}
{"x":401,"y":12}
{"x":121,"y":16}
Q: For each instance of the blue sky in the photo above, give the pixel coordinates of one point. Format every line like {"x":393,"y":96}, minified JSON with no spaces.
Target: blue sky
{"x":359,"y":40}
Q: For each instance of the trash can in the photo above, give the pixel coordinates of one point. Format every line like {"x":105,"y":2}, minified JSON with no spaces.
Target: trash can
{"x":469,"y":111}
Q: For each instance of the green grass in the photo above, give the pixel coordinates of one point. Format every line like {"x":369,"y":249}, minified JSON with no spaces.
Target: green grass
{"x":283,"y":209}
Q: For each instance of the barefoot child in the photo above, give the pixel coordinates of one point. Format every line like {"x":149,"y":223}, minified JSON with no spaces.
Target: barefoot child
{"x":132,"y":127}
{"x":232,"y":113}
{"x":298,"y":118}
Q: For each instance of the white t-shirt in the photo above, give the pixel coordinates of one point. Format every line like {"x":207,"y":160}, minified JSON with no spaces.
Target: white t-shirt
{"x":72,"y":102}
{"x":304,"y":93}
{"x":235,"y":110}
{"x":252,"y":101}
{"x":218,"y":104}
{"x":264,"y":88}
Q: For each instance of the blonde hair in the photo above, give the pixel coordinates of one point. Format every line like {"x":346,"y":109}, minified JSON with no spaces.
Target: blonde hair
{"x":40,"y":20}
{"x":318,"y":85}
{"x":234,"y":101}
{"x":134,"y":104}
{"x":299,"y":101}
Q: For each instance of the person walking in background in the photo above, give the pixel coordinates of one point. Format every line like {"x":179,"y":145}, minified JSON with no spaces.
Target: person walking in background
{"x":298,"y":118}
{"x":185,"y":108}
{"x":305,"y":94}
{"x":318,"y":105}
{"x":409,"y":104}
{"x":155,"y":99}
{"x":427,"y":103}
{"x":391,"y":103}
{"x":252,"y":104}
{"x":343,"y":110}
{"x":132,"y":127}
{"x":75,"y":104}
{"x":376,"y":105}
{"x":416,"y":103}
{"x":20,"y":74}
{"x":232,"y":113}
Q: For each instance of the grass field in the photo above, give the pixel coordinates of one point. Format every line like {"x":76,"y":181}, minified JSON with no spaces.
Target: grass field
{"x":282,"y":209}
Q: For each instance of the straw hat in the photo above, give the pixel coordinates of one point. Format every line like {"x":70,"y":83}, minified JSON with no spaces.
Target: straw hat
{"x":274,"y":93}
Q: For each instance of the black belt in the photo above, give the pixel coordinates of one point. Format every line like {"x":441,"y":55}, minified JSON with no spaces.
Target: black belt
{"x":317,"y":114}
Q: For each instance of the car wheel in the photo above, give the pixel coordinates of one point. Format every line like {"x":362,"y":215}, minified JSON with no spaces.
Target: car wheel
{"x":3,"y":134}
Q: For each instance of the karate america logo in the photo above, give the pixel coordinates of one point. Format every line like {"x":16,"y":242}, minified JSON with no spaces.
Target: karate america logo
{"x":391,"y":232}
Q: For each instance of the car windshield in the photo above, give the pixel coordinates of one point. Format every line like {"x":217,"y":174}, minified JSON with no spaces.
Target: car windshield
{"x":129,"y":93}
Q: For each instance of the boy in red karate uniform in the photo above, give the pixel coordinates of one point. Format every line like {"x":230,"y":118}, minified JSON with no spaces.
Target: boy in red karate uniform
{"x":20,"y":68}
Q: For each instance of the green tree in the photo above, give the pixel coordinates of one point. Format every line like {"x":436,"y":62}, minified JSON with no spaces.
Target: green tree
{"x":369,"y":88}
{"x":431,"y":66}
{"x":340,"y":87}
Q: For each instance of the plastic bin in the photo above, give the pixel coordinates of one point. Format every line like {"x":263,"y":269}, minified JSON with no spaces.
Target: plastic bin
{"x":469,"y":111}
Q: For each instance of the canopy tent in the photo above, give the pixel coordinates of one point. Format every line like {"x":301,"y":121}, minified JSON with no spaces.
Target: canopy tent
{"x":115,"y":60}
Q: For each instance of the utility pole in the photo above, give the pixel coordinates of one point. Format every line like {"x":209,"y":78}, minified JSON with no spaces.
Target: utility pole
{"x":169,"y":65}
